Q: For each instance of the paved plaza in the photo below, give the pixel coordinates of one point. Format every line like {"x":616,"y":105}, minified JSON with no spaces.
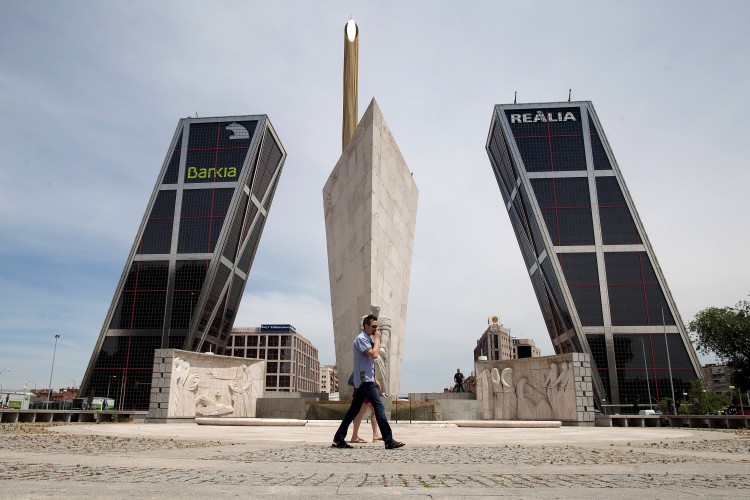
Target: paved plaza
{"x":200,"y":461}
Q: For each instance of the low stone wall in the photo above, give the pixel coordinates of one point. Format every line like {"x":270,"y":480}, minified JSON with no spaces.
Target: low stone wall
{"x":279,"y":407}
{"x":189,"y":384}
{"x":449,"y":405}
{"x":691,"y":421}
{"x":29,"y":416}
{"x":545,"y":388}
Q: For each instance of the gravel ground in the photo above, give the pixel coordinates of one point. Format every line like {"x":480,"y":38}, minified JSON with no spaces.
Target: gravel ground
{"x":34,"y":458}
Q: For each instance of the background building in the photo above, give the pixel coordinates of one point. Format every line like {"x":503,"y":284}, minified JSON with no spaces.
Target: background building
{"x":718,"y":377}
{"x":595,"y":275}
{"x":496,"y":343}
{"x":329,"y":379}
{"x":291,"y":360}
{"x":192,"y":254}
{"x":525,"y":348}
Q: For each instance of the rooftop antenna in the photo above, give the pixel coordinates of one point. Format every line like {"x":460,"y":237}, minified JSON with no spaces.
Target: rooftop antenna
{"x":515,"y":95}
{"x":569,"y":91}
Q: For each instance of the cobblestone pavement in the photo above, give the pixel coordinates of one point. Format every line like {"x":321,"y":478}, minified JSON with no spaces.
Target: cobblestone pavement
{"x":36,"y":462}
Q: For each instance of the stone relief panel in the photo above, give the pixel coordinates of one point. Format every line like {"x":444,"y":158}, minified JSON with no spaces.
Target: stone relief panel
{"x":209,"y":385}
{"x":546,"y":388}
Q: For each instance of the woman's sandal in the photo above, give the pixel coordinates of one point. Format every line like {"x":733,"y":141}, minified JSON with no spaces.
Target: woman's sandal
{"x":358,"y":440}
{"x":377,"y":439}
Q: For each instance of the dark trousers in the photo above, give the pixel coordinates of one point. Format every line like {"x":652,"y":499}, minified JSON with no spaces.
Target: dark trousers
{"x":369,"y":391}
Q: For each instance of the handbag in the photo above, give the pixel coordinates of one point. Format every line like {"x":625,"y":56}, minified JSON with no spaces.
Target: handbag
{"x":351,"y":380}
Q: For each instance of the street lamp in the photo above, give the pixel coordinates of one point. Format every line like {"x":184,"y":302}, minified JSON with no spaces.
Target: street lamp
{"x":645,"y":363}
{"x":669,"y":363}
{"x":49,"y":390}
{"x":31,"y":382}
{"x":109,"y":383}
{"x":742,"y":407}
{"x":74,"y":382}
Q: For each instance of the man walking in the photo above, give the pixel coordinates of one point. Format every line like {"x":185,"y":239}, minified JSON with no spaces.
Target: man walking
{"x":366,"y":347}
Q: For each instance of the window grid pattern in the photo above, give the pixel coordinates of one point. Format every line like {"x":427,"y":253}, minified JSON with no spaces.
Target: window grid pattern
{"x":531,"y":228}
{"x":233,"y":238}
{"x":157,"y":236}
{"x":189,"y":278}
{"x":222,"y":274}
{"x":634,"y":292}
{"x":522,"y":236}
{"x":598,"y":153}
{"x":633,"y":373}
{"x":599,"y":354}
{"x":141,"y":303}
{"x":269,"y":159}
{"x":617,"y":223}
{"x":553,"y":288}
{"x":566,"y":207}
{"x":202,"y":218}
{"x":173,"y":168}
{"x":582,"y":276}
{"x":502,"y":166}
{"x":550,"y":146}
{"x":252,"y":246}
{"x":123,"y":370}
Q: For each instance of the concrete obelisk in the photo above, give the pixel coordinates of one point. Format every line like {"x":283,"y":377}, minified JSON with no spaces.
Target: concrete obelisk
{"x":370,"y":205}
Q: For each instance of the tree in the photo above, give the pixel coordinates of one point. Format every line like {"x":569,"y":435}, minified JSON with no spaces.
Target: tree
{"x":666,"y":406}
{"x":726,"y":332}
{"x":704,"y":401}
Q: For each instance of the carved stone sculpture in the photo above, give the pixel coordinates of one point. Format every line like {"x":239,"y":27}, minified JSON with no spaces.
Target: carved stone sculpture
{"x":212,"y":385}
{"x":241,"y":391}
{"x":555,"y":387}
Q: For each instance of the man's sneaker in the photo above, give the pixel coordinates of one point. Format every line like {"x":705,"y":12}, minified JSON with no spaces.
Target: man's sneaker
{"x":394,"y":444}
{"x":343,"y":444}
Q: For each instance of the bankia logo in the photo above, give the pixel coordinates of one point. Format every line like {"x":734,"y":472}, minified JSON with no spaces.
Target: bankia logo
{"x":543,"y":116}
{"x":238,"y":131}
{"x":211,"y":173}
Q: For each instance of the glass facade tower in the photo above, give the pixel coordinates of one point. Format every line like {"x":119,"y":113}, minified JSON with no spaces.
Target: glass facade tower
{"x":187,"y":269}
{"x":593,"y":270}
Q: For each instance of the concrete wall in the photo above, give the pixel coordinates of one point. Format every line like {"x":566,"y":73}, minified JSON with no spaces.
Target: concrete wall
{"x":370,"y":206}
{"x":188,"y":384}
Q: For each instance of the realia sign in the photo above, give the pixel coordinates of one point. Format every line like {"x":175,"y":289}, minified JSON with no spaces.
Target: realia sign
{"x":542,"y":116}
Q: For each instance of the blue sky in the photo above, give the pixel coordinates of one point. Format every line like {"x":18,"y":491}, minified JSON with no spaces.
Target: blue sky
{"x":91,"y":92}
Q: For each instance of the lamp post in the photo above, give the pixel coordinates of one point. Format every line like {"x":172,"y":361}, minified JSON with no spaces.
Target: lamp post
{"x":742,"y":407}
{"x":645,"y":363}
{"x":669,"y":363}
{"x":109,"y":383}
{"x":74,"y":382}
{"x":49,"y":390}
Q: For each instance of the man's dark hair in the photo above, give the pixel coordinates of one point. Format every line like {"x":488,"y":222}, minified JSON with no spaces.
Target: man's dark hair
{"x":368,"y":319}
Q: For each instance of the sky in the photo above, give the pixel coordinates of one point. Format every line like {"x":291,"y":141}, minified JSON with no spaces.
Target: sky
{"x":91,"y":93}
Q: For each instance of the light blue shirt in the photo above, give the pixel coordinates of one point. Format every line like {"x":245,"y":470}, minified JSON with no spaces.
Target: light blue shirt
{"x":364,"y":365}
